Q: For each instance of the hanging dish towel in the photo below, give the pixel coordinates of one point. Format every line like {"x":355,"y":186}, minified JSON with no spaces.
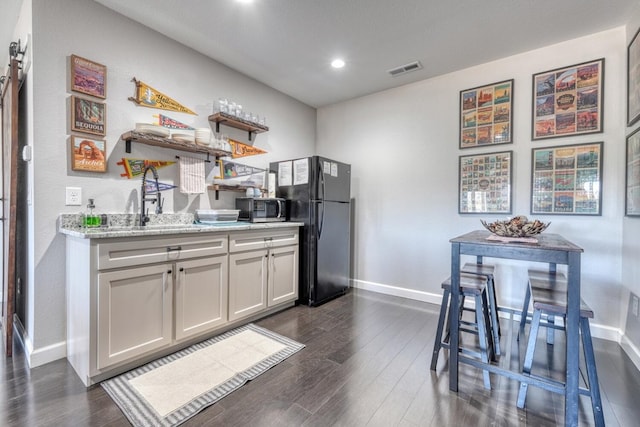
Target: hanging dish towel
{"x":192,"y":178}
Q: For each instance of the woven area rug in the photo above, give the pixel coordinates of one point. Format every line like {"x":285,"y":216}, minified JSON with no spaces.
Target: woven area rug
{"x":170,"y":390}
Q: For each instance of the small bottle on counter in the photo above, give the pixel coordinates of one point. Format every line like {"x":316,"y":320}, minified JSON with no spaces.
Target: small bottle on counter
{"x":90,"y":219}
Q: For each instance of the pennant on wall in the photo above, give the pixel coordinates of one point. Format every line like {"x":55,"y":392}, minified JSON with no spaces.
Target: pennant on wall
{"x":150,"y":186}
{"x":147,"y":96}
{"x":239,"y":149}
{"x":233,"y":170}
{"x":135,"y":167}
{"x":170,"y":123}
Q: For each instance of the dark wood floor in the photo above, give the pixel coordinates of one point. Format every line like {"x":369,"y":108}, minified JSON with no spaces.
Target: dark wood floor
{"x":366,"y":362}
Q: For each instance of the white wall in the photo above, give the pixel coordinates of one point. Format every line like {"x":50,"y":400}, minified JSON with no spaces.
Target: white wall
{"x":403,"y":145}
{"x":87,"y":29}
{"x":631,"y":249}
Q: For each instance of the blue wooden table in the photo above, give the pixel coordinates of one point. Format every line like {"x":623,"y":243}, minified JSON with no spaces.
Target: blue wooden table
{"x":552,"y":249}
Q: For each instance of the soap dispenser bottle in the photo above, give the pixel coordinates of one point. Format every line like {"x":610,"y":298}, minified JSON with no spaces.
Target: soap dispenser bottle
{"x":90,"y":219}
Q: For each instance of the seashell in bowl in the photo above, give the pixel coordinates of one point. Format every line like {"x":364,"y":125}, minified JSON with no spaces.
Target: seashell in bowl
{"x":518,"y":226}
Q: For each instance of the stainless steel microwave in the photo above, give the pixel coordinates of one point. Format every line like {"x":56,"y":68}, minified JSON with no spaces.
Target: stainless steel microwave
{"x":261,"y":210}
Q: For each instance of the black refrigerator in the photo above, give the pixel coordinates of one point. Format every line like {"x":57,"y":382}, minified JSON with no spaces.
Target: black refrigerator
{"x":318,"y":194}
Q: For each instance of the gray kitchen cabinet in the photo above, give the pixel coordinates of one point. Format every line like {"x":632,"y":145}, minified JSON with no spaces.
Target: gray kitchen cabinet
{"x":263,"y":270}
{"x":134,"y":312}
{"x":133,"y":299}
{"x":283,"y":275}
{"x":248,"y":273}
{"x":200,"y":295}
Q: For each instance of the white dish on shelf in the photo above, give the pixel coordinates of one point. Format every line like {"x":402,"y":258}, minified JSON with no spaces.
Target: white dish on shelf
{"x":151,"y":129}
{"x":183,"y":137}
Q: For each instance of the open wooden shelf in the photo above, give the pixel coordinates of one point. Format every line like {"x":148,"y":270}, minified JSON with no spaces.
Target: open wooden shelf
{"x":234,"y":122}
{"x":158,"y":141}
{"x":236,"y":188}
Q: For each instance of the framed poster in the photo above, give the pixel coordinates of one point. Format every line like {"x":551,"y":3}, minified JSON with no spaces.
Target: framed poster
{"x":88,"y":77}
{"x":633,"y":80}
{"x":486,"y":115}
{"x":88,"y":116}
{"x":89,"y":155}
{"x":485,"y":183}
{"x":632,"y":186}
{"x":568,"y":101}
{"x":567,"y":180}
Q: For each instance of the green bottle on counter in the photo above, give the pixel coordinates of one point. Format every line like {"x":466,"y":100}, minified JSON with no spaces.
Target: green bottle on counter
{"x":89,"y":219}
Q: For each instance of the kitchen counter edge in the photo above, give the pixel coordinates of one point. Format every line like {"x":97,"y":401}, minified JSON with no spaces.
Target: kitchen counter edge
{"x":106,"y":233}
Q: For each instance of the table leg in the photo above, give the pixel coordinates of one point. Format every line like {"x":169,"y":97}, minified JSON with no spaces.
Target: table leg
{"x":454,"y":316}
{"x":573,"y":340}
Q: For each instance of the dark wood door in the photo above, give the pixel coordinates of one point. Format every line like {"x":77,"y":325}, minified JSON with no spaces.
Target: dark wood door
{"x":9,"y":192}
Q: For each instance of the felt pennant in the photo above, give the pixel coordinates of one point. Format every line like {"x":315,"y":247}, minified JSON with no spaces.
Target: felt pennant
{"x":146,"y":96}
{"x":135,"y":167}
{"x":150,"y":186}
{"x":170,"y":123}
{"x":239,"y":149}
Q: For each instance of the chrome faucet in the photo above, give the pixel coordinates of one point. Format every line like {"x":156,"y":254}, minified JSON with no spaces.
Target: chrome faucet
{"x":144,"y":218}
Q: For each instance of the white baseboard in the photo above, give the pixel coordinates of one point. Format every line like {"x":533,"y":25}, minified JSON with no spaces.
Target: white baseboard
{"x":39,"y":356}
{"x":631,"y":350}
{"x":597,"y":331}
{"x":398,"y":292}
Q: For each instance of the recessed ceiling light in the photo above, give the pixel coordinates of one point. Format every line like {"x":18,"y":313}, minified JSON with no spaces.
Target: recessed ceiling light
{"x":337,"y":63}
{"x":244,"y":1}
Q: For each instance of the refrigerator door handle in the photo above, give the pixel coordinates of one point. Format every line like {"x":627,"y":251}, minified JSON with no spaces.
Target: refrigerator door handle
{"x":321,"y":220}
{"x":321,"y":175}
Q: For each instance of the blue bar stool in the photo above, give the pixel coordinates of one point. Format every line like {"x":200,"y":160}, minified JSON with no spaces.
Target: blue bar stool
{"x":471,"y":286}
{"x":487,"y":271}
{"x":553,"y":302}
{"x":541,"y":279}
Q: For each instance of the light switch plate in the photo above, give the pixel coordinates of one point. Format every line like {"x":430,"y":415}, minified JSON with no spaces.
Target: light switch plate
{"x":73,"y":196}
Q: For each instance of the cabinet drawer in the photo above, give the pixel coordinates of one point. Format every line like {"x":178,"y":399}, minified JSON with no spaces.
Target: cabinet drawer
{"x":134,"y":252}
{"x":252,"y":240}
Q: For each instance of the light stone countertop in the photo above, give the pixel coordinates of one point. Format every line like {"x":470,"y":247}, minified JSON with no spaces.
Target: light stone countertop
{"x":170,"y":224}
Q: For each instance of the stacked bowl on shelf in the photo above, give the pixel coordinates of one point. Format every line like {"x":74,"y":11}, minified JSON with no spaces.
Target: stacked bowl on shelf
{"x":203,"y":136}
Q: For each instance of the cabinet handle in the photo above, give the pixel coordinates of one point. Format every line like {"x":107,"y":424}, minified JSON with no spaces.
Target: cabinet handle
{"x":173,"y":249}
{"x":169,"y":271}
{"x":181,"y":269}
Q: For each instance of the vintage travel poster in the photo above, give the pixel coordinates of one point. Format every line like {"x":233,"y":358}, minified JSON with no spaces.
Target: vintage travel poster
{"x":486,"y":115}
{"x":632,"y":201}
{"x":567,"y":180}
{"x":146,"y":96}
{"x":568,"y":101}
{"x":88,"y":116}
{"x":89,"y":155}
{"x":88,"y":77}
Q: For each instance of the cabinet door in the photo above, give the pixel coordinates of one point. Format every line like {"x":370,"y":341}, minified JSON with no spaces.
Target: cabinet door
{"x":134,"y":312}
{"x":247,"y":283}
{"x":200,"y":295}
{"x":283,"y":275}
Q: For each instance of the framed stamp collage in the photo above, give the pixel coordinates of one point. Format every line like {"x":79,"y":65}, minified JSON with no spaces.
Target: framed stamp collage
{"x":88,"y":115}
{"x":486,"y":115}
{"x":567,"y":179}
{"x":485,"y":182}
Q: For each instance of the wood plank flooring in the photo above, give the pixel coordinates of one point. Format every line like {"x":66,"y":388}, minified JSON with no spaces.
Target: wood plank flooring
{"x":366,"y":363}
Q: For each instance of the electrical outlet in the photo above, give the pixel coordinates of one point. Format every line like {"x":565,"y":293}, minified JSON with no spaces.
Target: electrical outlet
{"x":634,"y":305}
{"x":73,"y":196}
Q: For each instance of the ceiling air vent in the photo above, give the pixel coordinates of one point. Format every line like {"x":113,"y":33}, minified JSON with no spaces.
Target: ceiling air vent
{"x":412,"y":66}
